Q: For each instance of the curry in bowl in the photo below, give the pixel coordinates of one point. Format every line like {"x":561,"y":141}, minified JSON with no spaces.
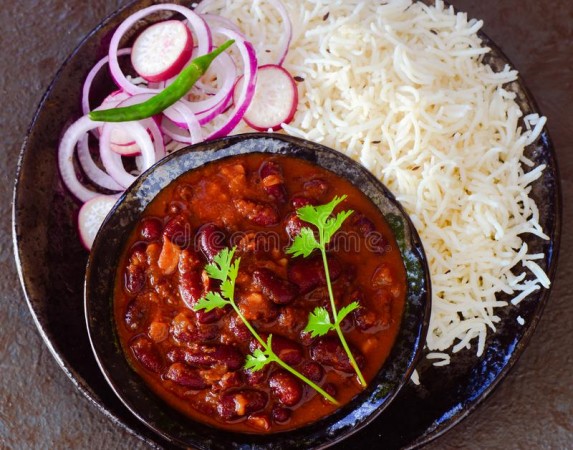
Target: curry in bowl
{"x":265,"y":291}
{"x":195,"y":359}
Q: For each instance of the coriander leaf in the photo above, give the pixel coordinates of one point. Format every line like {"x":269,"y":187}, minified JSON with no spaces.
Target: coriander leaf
{"x":304,"y":243}
{"x":211,"y":301}
{"x":308,"y":214}
{"x":234,"y":269}
{"x":346,"y":310}
{"x":332,"y":225}
{"x":228,"y":289}
{"x":317,"y":215}
{"x":319,"y":322}
{"x":219,"y":268}
{"x":257,"y":360}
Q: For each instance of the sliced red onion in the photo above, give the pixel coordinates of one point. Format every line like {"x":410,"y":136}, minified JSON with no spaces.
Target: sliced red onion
{"x":112,"y":161}
{"x":216,"y":21}
{"x":192,"y":125}
{"x":226,"y":72}
{"x":198,"y":26}
{"x":91,"y":76}
{"x":150,"y":124}
{"x":91,"y":169}
{"x":244,"y":98}
{"x":213,"y":20}
{"x":66,"y":157}
{"x":286,"y":37}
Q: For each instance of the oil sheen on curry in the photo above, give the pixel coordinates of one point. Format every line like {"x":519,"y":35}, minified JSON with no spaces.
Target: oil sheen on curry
{"x":194,"y":360}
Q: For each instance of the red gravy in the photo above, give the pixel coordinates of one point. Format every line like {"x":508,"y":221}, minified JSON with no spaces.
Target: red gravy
{"x":194,"y":360}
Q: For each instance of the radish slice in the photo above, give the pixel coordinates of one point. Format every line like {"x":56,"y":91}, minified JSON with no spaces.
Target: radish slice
{"x":162,"y":50}
{"x":120,"y":141}
{"x":198,"y":25}
{"x":91,"y":216}
{"x":275,"y":100}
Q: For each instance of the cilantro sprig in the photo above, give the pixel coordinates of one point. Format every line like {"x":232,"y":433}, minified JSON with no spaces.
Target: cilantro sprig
{"x":320,"y":320}
{"x":225,"y":270}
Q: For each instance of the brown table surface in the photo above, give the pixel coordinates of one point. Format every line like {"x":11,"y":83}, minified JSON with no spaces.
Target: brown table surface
{"x":39,"y":406}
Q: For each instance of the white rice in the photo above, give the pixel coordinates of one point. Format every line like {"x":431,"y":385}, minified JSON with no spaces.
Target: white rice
{"x":400,"y":87}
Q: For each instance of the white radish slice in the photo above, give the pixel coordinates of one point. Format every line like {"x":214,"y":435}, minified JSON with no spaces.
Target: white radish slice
{"x":120,"y":141}
{"x":162,"y":50}
{"x":91,"y":216}
{"x":275,"y":99}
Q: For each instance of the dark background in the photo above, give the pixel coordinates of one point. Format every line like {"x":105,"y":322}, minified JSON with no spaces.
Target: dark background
{"x":39,"y":406}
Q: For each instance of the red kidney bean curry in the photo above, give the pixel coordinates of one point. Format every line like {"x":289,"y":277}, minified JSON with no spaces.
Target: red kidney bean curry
{"x":194,"y":360}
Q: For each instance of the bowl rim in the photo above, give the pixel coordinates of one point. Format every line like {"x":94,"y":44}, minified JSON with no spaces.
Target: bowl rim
{"x":345,"y":419}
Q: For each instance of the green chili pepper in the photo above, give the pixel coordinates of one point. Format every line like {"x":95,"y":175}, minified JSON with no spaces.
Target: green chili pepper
{"x":158,"y":103}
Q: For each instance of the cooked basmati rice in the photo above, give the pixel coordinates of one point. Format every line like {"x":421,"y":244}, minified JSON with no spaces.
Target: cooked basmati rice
{"x":400,"y":87}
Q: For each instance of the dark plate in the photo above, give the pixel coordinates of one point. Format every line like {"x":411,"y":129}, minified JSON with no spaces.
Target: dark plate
{"x":52,"y":261}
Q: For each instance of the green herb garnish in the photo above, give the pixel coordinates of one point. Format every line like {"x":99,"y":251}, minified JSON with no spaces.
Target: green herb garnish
{"x":225,"y":270}
{"x":320,"y":321}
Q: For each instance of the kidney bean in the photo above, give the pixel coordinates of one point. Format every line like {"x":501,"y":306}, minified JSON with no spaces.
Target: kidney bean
{"x":178,"y":230}
{"x":293,"y":225}
{"x":292,"y":318}
{"x":312,"y":370}
{"x":280,"y":414}
{"x":189,"y":260}
{"x":259,"y":421}
{"x":238,"y":328}
{"x":330,"y":389}
{"x":185,"y":376}
{"x":328,"y":351}
{"x":136,"y":314}
{"x":150,"y":229}
{"x":298,"y":201}
{"x":211,"y":355}
{"x":147,"y":354}
{"x":190,"y":287}
{"x":374,"y":240}
{"x":316,"y":188}
{"x":211,"y":240}
{"x":306,"y":338}
{"x":259,"y":213}
{"x":280,"y":291}
{"x":285,"y":387}
{"x":272,"y":180}
{"x":209,"y":317}
{"x":286,"y":349}
{"x":134,"y":279}
{"x":365,"y":318}
{"x":235,"y":404}
{"x":308,"y":273}
{"x":256,"y":377}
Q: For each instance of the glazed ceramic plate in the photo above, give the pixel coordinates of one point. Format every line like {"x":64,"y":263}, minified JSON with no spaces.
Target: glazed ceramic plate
{"x":52,"y":262}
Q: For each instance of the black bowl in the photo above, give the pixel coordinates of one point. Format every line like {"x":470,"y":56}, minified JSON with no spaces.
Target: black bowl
{"x":169,"y":423}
